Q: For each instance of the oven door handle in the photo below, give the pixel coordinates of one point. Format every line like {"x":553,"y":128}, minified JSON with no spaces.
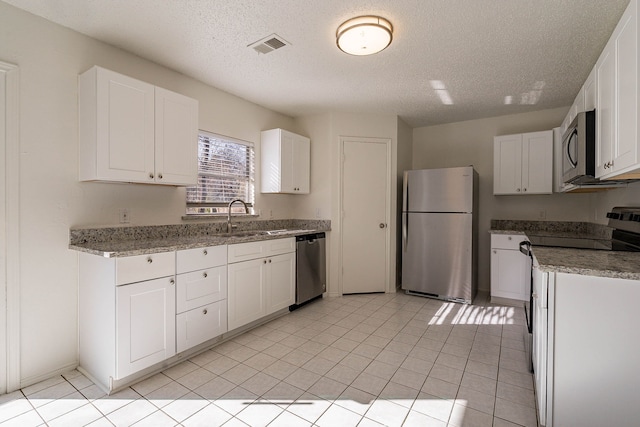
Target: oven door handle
{"x":525,"y":247}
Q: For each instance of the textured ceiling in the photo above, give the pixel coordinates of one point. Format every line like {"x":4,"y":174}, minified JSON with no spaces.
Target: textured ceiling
{"x":479,"y":51}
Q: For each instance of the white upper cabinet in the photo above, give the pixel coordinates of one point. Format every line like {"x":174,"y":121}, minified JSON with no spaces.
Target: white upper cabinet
{"x":617,"y":147}
{"x":285,"y":162}
{"x":132,"y":131}
{"x":523,"y":163}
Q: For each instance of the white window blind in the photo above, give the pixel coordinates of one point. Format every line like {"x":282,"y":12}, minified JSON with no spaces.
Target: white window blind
{"x":225,"y":172}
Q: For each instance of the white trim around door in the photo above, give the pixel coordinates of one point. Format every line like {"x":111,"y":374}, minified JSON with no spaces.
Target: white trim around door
{"x":10,"y":224}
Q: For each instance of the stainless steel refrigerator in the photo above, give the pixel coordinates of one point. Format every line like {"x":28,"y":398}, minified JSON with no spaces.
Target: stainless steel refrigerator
{"x":439,"y":233}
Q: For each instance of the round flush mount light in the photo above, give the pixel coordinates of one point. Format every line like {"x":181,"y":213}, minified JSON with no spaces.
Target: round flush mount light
{"x":364,"y":35}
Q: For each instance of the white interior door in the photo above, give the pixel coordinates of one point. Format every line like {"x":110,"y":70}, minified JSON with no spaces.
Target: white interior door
{"x":365,"y":215}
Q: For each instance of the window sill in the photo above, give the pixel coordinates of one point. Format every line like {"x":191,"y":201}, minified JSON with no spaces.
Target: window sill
{"x":217,"y":216}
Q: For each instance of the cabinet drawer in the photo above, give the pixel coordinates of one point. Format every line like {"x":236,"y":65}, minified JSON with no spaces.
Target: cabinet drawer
{"x":507,"y":241}
{"x":144,"y":267}
{"x":200,"y":287}
{"x":201,"y":258}
{"x":200,"y":324}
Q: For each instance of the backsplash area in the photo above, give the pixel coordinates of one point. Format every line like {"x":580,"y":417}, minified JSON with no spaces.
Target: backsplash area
{"x":578,"y":228}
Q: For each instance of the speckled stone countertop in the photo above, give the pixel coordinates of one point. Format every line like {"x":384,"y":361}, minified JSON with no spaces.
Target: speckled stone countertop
{"x":589,"y":262}
{"x":112,"y":242}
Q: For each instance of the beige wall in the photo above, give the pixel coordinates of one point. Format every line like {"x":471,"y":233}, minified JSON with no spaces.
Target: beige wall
{"x":471,"y":143}
{"x":52,"y":200}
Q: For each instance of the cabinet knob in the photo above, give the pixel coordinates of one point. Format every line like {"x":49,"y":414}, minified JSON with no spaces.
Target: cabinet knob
{"x":524,"y":189}
{"x":149,"y":260}
{"x":204,"y":311}
{"x":205,"y":252}
{"x":159,"y":176}
{"x":510,"y":238}
{"x":151,"y":175}
{"x":264,"y":261}
{"x":495,"y":252}
{"x":172,"y":281}
{"x":204,"y":275}
{"x":518,"y":190}
{"x":269,"y":261}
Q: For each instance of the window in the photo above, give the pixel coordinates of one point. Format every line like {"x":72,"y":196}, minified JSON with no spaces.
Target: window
{"x":225,"y":173}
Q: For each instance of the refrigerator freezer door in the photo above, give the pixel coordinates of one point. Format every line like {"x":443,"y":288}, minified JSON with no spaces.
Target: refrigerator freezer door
{"x":437,"y":254}
{"x":439,"y":190}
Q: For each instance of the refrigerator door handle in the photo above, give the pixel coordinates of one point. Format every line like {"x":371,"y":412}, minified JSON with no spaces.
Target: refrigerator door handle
{"x":405,"y":193}
{"x":405,"y":225}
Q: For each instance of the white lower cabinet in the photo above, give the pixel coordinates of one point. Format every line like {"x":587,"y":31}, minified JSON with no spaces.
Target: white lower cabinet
{"x":586,"y":362}
{"x":509,"y":268}
{"x":136,"y":312}
{"x":127,"y":312}
{"x":145,"y":324}
{"x":261,"y":279}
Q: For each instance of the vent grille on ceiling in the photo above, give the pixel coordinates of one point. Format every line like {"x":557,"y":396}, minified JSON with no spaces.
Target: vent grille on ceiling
{"x":269,"y":44}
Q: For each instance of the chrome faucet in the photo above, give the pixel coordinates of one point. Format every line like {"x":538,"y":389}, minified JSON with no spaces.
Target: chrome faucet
{"x":246,"y":210}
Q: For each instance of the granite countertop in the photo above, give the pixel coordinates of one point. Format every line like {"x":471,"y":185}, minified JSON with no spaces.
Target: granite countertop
{"x":588,"y":262}
{"x":130,"y":241}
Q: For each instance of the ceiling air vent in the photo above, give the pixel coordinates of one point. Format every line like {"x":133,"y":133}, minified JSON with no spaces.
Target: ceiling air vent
{"x":269,"y":44}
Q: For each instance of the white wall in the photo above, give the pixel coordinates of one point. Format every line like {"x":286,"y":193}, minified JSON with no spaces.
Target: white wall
{"x":471,"y":143}
{"x":602,"y":202}
{"x":52,"y":200}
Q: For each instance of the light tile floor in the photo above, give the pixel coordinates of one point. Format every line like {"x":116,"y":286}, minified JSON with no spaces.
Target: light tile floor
{"x":358,"y":360}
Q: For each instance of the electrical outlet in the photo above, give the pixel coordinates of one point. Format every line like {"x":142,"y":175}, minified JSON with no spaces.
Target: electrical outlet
{"x":125,"y":216}
{"x":270,"y":213}
{"x":318,"y":213}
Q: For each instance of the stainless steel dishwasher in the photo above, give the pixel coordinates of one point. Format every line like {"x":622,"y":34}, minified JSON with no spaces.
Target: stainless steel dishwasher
{"x":311,"y":270}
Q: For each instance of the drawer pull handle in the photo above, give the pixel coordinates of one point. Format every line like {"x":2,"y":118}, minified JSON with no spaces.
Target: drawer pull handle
{"x":204,"y":275}
{"x":172,"y":282}
{"x":149,"y":260}
{"x":204,"y":252}
{"x":204,"y":311}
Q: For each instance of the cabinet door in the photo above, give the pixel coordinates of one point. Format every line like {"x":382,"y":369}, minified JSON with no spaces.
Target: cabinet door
{"x":537,"y":163}
{"x":125,"y":128}
{"x":605,"y":117}
{"x":589,"y":89}
{"x":625,"y":149}
{"x":246,"y":292}
{"x":507,"y":164}
{"x":509,"y":274}
{"x":287,"y":162}
{"x":176,"y":138}
{"x":145,"y":324}
{"x":301,"y":164}
{"x":281,"y":278}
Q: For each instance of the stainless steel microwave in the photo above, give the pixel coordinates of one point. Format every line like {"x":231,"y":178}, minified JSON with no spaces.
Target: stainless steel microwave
{"x":579,"y":150}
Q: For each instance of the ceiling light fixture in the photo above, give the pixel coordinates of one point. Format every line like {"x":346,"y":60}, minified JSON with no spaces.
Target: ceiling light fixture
{"x":364,"y":35}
